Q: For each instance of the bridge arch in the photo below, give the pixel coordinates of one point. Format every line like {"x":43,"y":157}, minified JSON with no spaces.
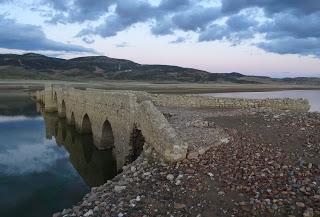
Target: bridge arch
{"x":86,"y":126}
{"x":63,"y":109}
{"x":72,"y":120}
{"x":55,"y":98}
{"x":137,"y":141}
{"x":107,"y":137}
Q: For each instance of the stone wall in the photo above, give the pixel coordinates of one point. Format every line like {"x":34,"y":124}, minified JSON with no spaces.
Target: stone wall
{"x":196,"y":101}
{"x":160,"y":134}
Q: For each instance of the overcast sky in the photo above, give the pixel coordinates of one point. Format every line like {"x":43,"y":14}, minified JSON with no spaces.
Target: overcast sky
{"x":262,"y":37}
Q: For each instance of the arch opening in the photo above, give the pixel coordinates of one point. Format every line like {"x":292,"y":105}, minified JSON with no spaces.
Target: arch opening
{"x":72,"y":119}
{"x":86,"y":125}
{"x":63,"y":109}
{"x":107,"y":138}
{"x":137,"y":142}
{"x":55,"y":98}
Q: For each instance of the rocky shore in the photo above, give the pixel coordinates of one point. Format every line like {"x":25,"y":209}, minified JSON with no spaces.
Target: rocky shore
{"x":265,"y":163}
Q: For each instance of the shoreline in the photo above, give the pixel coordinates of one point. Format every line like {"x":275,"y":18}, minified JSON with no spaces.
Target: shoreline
{"x":169,"y":88}
{"x":220,"y":181}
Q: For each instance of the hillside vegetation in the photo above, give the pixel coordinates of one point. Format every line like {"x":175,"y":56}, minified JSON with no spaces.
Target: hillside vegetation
{"x":36,"y":66}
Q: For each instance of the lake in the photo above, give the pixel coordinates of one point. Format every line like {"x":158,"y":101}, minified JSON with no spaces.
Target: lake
{"x":45,"y":165}
{"x":313,"y":96}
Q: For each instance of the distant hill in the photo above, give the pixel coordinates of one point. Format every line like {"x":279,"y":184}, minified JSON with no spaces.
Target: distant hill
{"x":36,"y":66}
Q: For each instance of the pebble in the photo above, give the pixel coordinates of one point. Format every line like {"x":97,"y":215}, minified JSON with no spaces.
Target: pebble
{"x":170,"y":177}
{"x":89,"y":213}
{"x":300,"y":204}
{"x":308,"y":213}
{"x":179,"y":205}
{"x":119,"y":188}
{"x":221,"y":193}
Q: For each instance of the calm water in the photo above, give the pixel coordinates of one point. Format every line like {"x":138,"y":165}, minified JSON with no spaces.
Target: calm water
{"x":312,"y":95}
{"x":45,"y":165}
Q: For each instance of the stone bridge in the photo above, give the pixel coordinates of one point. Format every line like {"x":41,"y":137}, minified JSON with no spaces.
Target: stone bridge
{"x":116,"y":118}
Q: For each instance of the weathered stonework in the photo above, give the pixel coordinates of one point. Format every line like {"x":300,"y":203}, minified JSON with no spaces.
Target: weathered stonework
{"x":196,"y":101}
{"x":122,"y":110}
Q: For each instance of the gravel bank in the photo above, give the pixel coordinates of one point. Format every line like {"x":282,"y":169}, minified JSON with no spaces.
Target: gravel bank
{"x":267,"y":164}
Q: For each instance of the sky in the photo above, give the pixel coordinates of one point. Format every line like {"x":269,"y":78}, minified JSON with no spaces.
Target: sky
{"x":278,"y":38}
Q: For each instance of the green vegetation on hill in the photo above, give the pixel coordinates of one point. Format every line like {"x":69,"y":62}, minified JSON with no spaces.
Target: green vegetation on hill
{"x":36,"y":66}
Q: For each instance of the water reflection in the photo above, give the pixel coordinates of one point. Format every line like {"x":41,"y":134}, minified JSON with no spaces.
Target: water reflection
{"x":95,"y":166}
{"x":36,"y":177}
{"x":45,"y":165}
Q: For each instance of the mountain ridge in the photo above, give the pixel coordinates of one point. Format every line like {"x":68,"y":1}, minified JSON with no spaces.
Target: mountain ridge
{"x":38,"y":66}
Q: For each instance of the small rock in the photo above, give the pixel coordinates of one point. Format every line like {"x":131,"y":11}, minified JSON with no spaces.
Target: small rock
{"x":89,"y":213}
{"x":58,"y":214}
{"x":138,"y":198}
{"x":308,"y":213}
{"x":170,"y":177}
{"x":179,"y":205}
{"x":225,"y":140}
{"x":120,"y":214}
{"x":201,"y":151}
{"x":220,"y":193}
{"x":210,"y":174}
{"x":119,"y":188}
{"x":178,"y":182}
{"x":300,"y":204}
{"x":193,"y":155}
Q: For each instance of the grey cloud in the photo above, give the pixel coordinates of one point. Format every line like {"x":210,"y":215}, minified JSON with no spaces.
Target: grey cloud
{"x":284,"y":25}
{"x":289,"y":45}
{"x":162,"y":27}
{"x":178,"y":40}
{"x":126,"y":14}
{"x":272,"y":6}
{"x":122,"y":45}
{"x":29,"y":37}
{"x":296,"y":20}
{"x":78,"y":10}
{"x":196,"y":18}
{"x":237,"y":28}
{"x":88,"y":40}
{"x":174,"y":5}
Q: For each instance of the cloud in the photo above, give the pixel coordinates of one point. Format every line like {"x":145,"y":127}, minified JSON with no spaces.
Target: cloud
{"x":30,"y":37}
{"x":162,"y":27}
{"x":272,"y":6}
{"x":290,"y":45}
{"x":284,"y":25}
{"x":196,"y":18}
{"x":88,"y":40}
{"x":237,"y":28}
{"x":236,"y":21}
{"x":127,"y":13}
{"x":122,"y":45}
{"x":178,"y":40}
{"x":78,"y":10}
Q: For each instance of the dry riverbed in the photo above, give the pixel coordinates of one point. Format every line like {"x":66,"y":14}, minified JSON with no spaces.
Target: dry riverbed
{"x":263,"y":163}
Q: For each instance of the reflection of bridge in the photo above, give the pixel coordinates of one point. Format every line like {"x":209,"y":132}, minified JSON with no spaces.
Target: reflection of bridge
{"x":115,"y":118}
{"x":94,"y":166}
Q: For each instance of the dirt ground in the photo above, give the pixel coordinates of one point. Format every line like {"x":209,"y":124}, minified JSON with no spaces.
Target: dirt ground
{"x":268,"y":165}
